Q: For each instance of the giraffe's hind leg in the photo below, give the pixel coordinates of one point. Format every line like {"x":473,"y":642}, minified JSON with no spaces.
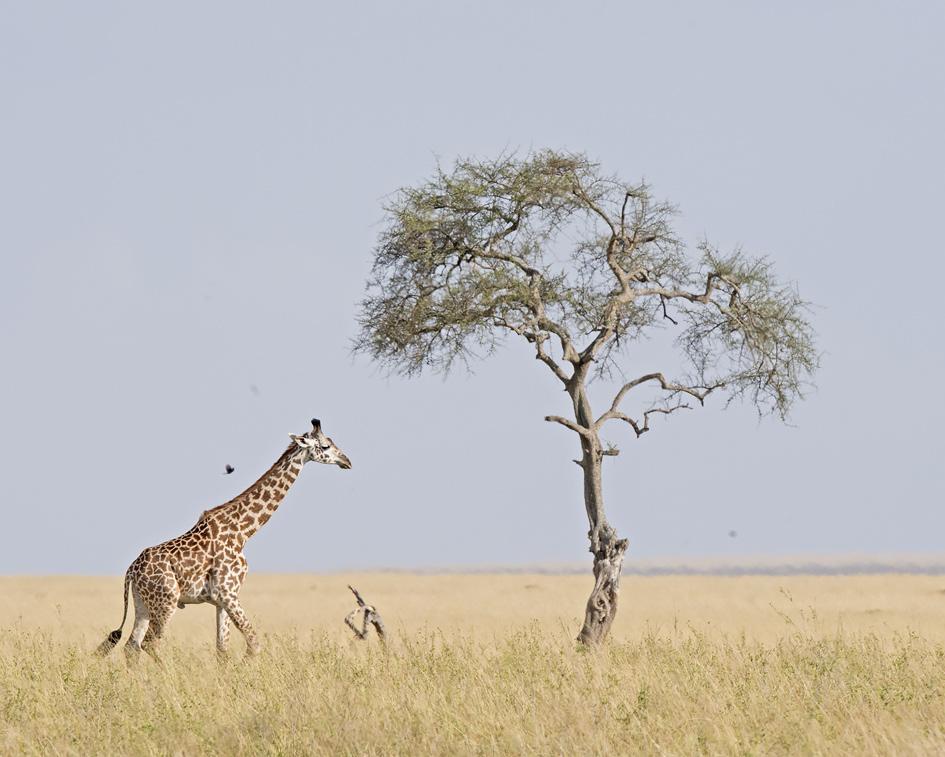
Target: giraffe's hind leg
{"x":161,"y":613}
{"x":156,"y":597}
{"x":140,"y":628}
{"x":152,"y":639}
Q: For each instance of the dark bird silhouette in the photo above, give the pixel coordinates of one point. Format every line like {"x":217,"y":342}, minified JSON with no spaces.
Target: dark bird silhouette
{"x":229,"y":469}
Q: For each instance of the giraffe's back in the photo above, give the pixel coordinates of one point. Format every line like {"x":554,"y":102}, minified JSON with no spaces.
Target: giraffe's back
{"x":181,"y":565}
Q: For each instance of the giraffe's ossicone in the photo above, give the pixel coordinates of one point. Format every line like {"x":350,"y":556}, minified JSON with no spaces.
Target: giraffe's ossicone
{"x":206,"y":564}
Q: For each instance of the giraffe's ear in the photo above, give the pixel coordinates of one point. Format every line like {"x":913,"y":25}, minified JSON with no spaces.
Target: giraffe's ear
{"x":300,"y":440}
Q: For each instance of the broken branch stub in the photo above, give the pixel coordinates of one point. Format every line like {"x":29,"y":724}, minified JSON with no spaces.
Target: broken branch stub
{"x":371,"y":617}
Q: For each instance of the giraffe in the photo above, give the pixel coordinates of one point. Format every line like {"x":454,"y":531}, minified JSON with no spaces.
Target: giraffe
{"x":206,"y":564}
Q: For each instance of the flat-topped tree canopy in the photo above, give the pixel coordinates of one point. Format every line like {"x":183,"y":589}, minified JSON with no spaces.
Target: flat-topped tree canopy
{"x":580,"y":264}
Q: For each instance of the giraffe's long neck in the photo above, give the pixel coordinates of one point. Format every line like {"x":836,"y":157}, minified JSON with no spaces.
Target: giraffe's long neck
{"x":247,"y":513}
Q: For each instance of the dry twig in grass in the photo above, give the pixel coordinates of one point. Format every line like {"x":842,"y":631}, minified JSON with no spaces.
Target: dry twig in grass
{"x":371,"y":618}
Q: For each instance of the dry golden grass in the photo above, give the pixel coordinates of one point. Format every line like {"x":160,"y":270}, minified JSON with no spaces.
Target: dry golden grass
{"x":485,"y":664}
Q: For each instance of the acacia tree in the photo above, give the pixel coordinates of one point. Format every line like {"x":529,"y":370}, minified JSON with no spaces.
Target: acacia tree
{"x":580,"y":265}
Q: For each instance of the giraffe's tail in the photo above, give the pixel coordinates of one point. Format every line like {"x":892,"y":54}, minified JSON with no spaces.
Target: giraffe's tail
{"x":109,"y":644}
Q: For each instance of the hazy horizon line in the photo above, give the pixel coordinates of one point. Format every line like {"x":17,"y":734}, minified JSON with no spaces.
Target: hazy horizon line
{"x":819,"y":565}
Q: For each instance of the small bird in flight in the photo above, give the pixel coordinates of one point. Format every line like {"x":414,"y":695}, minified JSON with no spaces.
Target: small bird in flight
{"x":229,"y":469}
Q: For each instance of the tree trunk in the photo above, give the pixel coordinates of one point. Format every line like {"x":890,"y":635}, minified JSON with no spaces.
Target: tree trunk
{"x":608,"y":550}
{"x":602,"y":604}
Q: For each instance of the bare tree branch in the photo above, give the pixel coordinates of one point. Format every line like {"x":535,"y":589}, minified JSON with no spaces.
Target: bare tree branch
{"x":609,"y":451}
{"x":704,"y":297}
{"x":371,"y":617}
{"x":536,"y":337}
{"x":582,"y":193}
{"x":666,"y":315}
{"x":699,"y":392}
{"x":585,"y":432}
{"x":640,"y":429}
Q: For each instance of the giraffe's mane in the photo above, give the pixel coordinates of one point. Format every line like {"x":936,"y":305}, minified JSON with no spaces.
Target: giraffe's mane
{"x":283,"y":458}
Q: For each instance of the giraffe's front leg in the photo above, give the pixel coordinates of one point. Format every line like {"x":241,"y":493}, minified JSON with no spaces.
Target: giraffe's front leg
{"x":233,"y":608}
{"x":228,"y":582}
{"x":223,"y":630}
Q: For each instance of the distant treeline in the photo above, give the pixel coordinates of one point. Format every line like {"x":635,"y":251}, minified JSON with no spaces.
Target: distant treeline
{"x":787,"y":568}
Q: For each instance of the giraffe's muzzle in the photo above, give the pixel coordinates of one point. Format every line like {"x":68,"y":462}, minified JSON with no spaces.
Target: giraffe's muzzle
{"x":344,"y":463}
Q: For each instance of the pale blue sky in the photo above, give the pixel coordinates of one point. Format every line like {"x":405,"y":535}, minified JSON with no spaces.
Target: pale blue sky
{"x":191,"y":193}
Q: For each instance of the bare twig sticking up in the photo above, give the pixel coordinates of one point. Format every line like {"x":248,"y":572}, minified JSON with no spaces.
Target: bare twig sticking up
{"x":371,"y":618}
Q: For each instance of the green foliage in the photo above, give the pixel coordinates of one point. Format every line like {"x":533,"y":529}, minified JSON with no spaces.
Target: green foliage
{"x":755,"y":339}
{"x":580,"y":264}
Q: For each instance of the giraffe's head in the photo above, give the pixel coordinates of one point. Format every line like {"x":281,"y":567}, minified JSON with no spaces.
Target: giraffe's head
{"x":314,"y":445}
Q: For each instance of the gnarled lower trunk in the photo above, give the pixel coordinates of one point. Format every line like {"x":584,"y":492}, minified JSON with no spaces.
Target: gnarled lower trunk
{"x":602,"y":604}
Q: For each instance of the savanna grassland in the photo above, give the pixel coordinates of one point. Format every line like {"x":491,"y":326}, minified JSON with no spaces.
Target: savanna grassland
{"x":486,"y":664}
